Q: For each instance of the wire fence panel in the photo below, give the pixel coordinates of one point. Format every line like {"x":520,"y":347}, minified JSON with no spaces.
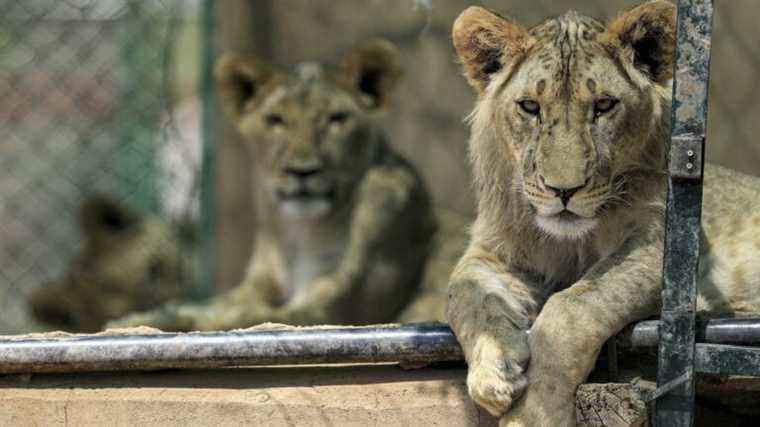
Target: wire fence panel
{"x":86,"y":110}
{"x":101,"y":97}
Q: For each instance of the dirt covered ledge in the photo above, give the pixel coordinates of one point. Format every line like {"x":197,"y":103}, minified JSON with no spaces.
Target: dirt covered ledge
{"x":288,"y":396}
{"x":283,"y":396}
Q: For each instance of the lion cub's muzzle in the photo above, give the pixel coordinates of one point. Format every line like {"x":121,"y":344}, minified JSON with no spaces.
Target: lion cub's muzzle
{"x":309,"y":182}
{"x":554,"y":199}
{"x":564,"y":194}
{"x":566,"y":210}
{"x":305,"y":191}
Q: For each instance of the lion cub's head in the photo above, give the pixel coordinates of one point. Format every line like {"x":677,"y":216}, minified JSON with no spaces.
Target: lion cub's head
{"x":311,"y":131}
{"x":571,"y":113}
{"x":128,"y":262}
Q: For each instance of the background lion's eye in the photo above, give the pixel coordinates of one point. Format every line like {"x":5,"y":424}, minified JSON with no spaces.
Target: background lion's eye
{"x":604,"y":105}
{"x":338,"y":118}
{"x":274,"y":120}
{"x":529,"y":106}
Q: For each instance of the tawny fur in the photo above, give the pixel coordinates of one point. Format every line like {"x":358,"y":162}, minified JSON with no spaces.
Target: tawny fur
{"x":346,"y":230}
{"x":576,"y":270}
{"x":128,"y":262}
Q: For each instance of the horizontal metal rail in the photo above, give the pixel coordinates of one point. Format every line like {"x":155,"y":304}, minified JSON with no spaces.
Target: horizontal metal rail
{"x":306,"y":346}
{"x":727,"y":360}
{"x":744,"y":331}
{"x":297,"y":346}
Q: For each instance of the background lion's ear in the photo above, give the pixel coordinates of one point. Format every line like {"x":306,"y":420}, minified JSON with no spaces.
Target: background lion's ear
{"x":487,"y":43}
{"x":373,"y":70}
{"x":649,"y":31}
{"x":102,"y":217}
{"x":239,"y":79}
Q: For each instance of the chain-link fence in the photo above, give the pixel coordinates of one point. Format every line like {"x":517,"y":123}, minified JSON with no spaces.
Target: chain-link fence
{"x":101,"y":97}
{"x":88,"y":93}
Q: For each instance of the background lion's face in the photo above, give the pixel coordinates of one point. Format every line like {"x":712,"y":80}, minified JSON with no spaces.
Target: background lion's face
{"x":574,"y":108}
{"x":311,"y":132}
{"x":311,"y":142}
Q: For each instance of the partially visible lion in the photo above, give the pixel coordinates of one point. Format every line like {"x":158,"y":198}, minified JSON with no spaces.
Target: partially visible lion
{"x":128,"y":262}
{"x":568,"y":148}
{"x":346,"y":231}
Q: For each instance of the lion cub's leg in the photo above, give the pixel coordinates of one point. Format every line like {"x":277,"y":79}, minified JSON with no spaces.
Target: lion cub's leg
{"x":573,"y":326}
{"x":245,"y":305}
{"x":384,"y":195}
{"x":489,"y":312}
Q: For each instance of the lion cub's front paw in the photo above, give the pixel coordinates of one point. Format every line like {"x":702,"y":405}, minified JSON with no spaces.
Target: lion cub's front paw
{"x":168,"y":318}
{"x":495,"y":386}
{"x":131,"y":321}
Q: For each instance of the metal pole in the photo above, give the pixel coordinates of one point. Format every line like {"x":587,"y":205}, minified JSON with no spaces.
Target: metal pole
{"x":316,"y":345}
{"x":714,"y":331}
{"x":297,"y":346}
{"x":208,"y":165}
{"x":676,"y":360}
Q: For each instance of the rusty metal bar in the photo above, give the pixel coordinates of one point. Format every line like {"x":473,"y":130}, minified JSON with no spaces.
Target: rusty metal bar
{"x":736,"y":332}
{"x":293,"y":346}
{"x":302,"y":346}
{"x":676,"y":359}
{"x":727,"y":360}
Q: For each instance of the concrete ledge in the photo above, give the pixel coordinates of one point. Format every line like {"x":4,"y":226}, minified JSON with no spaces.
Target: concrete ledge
{"x":363,"y":396}
{"x":333,"y":396}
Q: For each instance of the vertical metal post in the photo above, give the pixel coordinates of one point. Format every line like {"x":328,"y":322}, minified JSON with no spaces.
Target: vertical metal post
{"x":684,"y":211}
{"x":208,"y":168}
{"x":136,"y":170}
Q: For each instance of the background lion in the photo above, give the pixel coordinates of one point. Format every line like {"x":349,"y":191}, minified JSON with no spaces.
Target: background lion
{"x":347,"y":231}
{"x":128,"y":262}
{"x":567,"y":145}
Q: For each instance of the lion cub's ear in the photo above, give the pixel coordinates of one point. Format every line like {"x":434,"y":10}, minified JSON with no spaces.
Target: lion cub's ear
{"x":373,"y":70}
{"x":487,"y":43}
{"x":102,"y":217}
{"x":239,"y":80}
{"x":649,"y":31}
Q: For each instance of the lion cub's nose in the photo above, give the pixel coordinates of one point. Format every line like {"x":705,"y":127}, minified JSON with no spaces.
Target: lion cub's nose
{"x":303,"y":171}
{"x":564,"y":194}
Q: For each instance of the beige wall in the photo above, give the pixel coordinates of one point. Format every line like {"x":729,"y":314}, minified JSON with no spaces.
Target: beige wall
{"x":433,"y":98}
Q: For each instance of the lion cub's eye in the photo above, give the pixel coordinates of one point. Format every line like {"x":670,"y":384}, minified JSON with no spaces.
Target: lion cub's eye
{"x":274,"y":119}
{"x":604,"y":105}
{"x":529,"y":106}
{"x":338,"y":118}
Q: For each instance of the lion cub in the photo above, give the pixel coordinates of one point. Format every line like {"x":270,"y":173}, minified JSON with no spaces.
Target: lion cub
{"x":347,"y":232}
{"x":128,"y":262}
{"x":568,"y":148}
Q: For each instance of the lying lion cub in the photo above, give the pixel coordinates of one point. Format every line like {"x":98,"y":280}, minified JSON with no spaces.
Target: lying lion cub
{"x":347,"y":232}
{"x":568,"y":147}
{"x":128,"y":262}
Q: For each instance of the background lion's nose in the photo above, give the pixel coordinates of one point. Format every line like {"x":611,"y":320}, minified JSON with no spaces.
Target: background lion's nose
{"x":564,"y":194}
{"x":303,"y":171}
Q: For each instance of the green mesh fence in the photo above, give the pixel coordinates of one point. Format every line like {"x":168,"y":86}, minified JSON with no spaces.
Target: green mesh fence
{"x":90,"y":105}
{"x":87,"y":108}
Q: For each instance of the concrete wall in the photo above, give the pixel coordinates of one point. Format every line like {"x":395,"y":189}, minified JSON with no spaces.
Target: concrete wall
{"x":273,"y":397}
{"x":427,"y":120}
